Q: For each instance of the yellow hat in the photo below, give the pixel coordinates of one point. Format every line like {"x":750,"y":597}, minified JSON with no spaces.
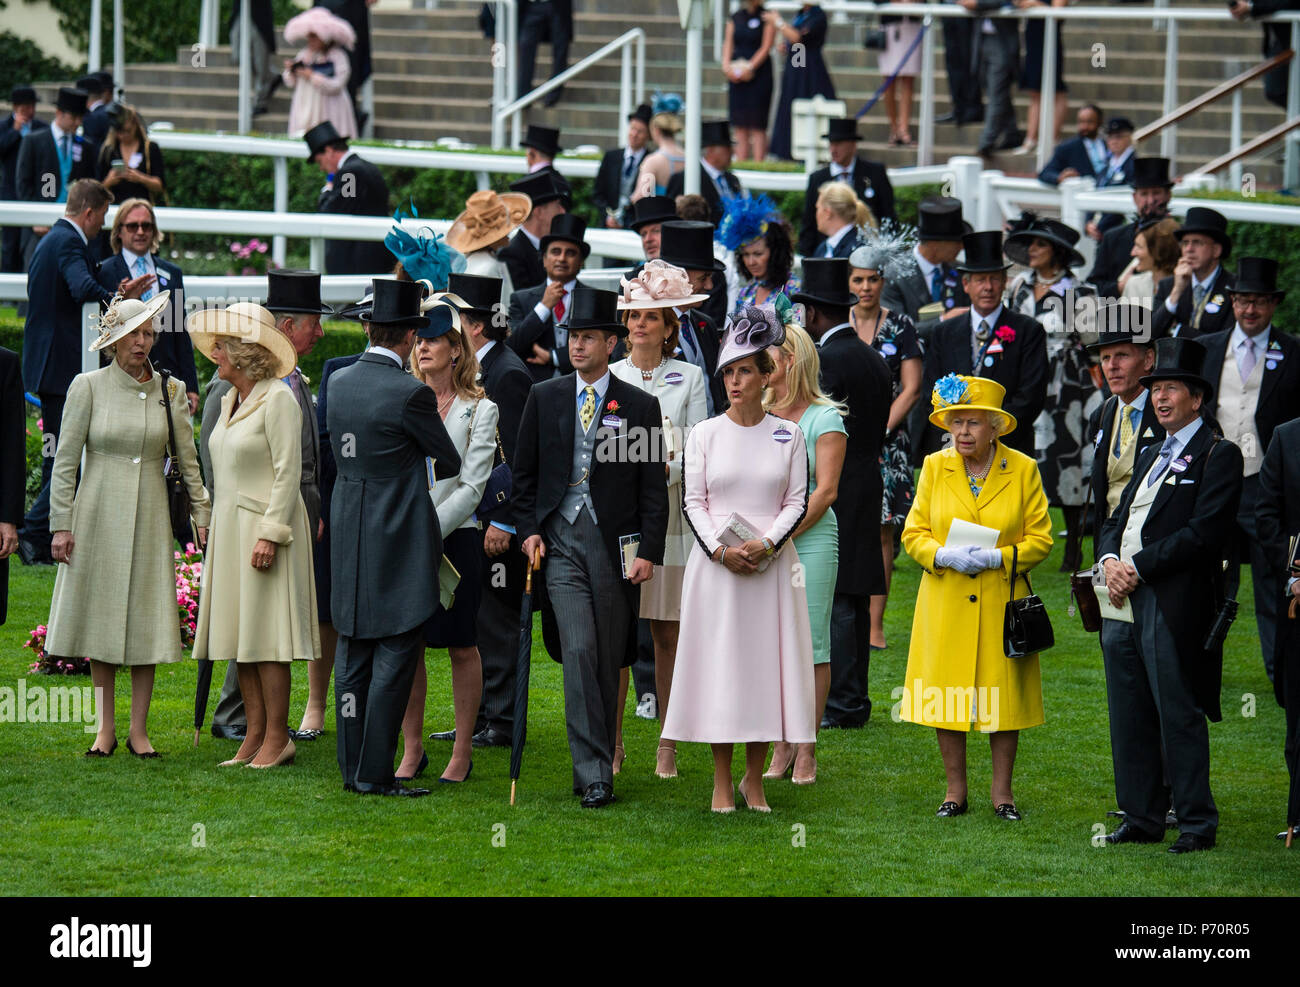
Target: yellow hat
{"x":957,"y":392}
{"x":247,"y":323}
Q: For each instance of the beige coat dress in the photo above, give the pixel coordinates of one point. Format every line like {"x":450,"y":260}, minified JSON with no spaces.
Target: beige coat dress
{"x":249,"y":614}
{"x":115,"y":601}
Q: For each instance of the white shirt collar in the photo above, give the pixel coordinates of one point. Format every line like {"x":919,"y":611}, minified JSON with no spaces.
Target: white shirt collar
{"x":536,"y":241}
{"x":385,"y":351}
{"x":835,"y":238}
{"x":991,"y":319}
{"x":56,"y":132}
{"x":131,"y":257}
{"x":1116,"y":163}
{"x":77,"y":226}
{"x":709,"y":170}
{"x":1239,"y":336}
{"x":847,"y":169}
{"x":539,"y":166}
{"x":1138,"y":402}
{"x":483,"y":350}
{"x":1208,"y":281}
{"x":1184,"y":435}
{"x":832,"y":331}
{"x":629,"y":153}
{"x":601,"y":386}
{"x":926,"y":267}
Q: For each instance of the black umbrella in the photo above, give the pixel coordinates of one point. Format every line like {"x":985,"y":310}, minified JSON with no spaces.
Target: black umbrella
{"x":523,"y":664}
{"x":201,"y":690}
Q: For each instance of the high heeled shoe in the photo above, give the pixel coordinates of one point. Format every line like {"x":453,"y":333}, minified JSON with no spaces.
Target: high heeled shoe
{"x":807,"y":779}
{"x":95,"y":752}
{"x":673,"y":751}
{"x":457,"y":781}
{"x":285,"y":757}
{"x":787,"y":769}
{"x":145,"y":755}
{"x":620,"y":755}
{"x":235,"y":762}
{"x":424,"y":763}
{"x":740,"y":794}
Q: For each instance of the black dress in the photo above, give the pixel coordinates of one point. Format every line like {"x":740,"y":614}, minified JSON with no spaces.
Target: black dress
{"x":1031,"y":69}
{"x":803,"y":81}
{"x":151,"y":163}
{"x":749,"y":103}
{"x":456,"y":628}
{"x":896,"y":341}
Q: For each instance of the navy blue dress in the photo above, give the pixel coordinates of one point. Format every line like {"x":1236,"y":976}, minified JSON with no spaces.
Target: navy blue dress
{"x":749,"y":102}
{"x":804,"y":81}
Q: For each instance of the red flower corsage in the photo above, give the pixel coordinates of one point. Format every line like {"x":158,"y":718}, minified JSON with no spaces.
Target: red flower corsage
{"x":1005,"y":333}
{"x":612,"y":406}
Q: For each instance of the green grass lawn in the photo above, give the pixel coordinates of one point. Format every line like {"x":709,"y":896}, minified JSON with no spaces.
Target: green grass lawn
{"x":182,"y":826}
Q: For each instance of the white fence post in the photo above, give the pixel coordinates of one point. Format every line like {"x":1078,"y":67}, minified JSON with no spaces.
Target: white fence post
{"x":988,"y":211}
{"x":279,"y":244}
{"x":925,"y":143}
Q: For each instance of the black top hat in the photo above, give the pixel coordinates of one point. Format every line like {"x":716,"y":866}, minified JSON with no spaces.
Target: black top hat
{"x":1209,"y":223}
{"x":939,"y":218}
{"x":1119,"y":125}
{"x":688,"y":244}
{"x":481,"y":294}
{"x":71,"y":101}
{"x":1179,"y":359}
{"x":320,"y":137}
{"x":983,"y":253}
{"x":1123,"y":322}
{"x":567,"y":226}
{"x":542,"y":187}
{"x":22,"y":94}
{"x":653,"y":209}
{"x":715,"y":132}
{"x":295,"y":291}
{"x":544,"y":139}
{"x":826,"y":282}
{"x":396,"y":303}
{"x":642,"y":113}
{"x":437,"y":323}
{"x":1055,"y":232}
{"x":1151,"y":173}
{"x":842,"y":129}
{"x":105,"y":78}
{"x":1257,"y":276}
{"x":595,"y":309}
{"x":91,"y":85}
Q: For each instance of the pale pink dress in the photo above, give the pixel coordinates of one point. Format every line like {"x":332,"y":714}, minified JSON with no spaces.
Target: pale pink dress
{"x":321,"y":97}
{"x":744,"y":668}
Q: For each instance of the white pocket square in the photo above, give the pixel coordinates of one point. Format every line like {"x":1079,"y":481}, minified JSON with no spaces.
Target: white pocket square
{"x":1186,"y":481}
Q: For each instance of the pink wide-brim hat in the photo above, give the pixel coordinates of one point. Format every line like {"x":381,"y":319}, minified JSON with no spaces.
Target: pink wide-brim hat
{"x":318,"y":21}
{"x":657,"y":285}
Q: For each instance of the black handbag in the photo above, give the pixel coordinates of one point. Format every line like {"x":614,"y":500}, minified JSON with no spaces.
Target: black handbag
{"x":496,"y":492}
{"x":178,"y":495}
{"x":874,"y":39}
{"x":1026,"y":629}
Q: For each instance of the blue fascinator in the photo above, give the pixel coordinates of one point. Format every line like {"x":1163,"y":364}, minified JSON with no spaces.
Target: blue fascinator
{"x":745,"y":219}
{"x":424,"y":257}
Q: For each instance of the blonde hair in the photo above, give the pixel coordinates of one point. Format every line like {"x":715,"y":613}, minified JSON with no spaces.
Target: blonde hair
{"x":253,"y":360}
{"x":844,"y":203}
{"x":668,"y":123}
{"x":802,"y":377}
{"x":464,"y":370}
{"x":125,"y":210}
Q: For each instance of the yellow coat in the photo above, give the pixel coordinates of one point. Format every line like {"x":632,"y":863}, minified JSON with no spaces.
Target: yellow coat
{"x":956,"y":663}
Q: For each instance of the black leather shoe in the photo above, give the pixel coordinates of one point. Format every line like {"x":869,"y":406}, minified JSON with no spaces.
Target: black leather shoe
{"x":449,"y":735}
{"x":848,"y":723}
{"x":143,"y":755}
{"x":1128,"y":833}
{"x":1011,"y":140}
{"x":1190,"y":842}
{"x":306,"y":734}
{"x":424,"y":763}
{"x":1171,"y":820}
{"x":349,"y":787}
{"x":597,"y":795}
{"x":396,"y":788}
{"x":487,"y":737}
{"x":553,"y":97}
{"x":235,"y":732}
{"x":952,"y":809}
{"x":1007,"y":811}
{"x":96,"y":752}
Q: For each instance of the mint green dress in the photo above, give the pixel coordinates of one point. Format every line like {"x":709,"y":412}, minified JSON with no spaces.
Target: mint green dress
{"x":819,"y":546}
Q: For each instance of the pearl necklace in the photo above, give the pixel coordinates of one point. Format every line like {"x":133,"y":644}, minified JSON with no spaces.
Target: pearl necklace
{"x":649,"y":374}
{"x":976,"y":480}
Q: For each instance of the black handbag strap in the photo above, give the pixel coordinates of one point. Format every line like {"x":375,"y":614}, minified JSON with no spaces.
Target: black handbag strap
{"x":171,"y":431}
{"x":1028,"y":585}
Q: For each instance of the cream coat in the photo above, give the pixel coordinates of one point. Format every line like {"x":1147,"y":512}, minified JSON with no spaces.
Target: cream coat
{"x":258,"y":614}
{"x":956,"y":652}
{"x":115,"y":601}
{"x":456,"y":498}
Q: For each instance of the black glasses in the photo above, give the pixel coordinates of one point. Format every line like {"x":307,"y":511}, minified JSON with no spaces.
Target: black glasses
{"x":142,"y":227}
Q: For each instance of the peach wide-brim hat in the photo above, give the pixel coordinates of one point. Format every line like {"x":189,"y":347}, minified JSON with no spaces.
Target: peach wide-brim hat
{"x":489,"y":217}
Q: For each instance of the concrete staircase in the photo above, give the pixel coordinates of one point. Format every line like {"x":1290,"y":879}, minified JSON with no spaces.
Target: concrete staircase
{"x":433,"y":78}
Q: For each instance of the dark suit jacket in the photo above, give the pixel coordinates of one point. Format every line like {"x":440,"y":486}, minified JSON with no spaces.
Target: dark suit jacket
{"x":627,"y":490}
{"x":1164,"y":324}
{"x":677,"y":185}
{"x":38,"y":157}
{"x":13,"y":456}
{"x":1184,"y":540}
{"x":10,"y":142}
{"x":1277,"y":519}
{"x":1113,"y":255}
{"x":522,"y":261}
{"x":368,"y":197}
{"x":507,"y":381}
{"x":95,"y":124}
{"x":1279,"y":390}
{"x":1108,"y":221}
{"x":527,"y":330}
{"x":1102,"y":436}
{"x":172,"y":350}
{"x":609,"y":179}
{"x":59,"y":282}
{"x":709,"y":337}
{"x":1071,"y":153}
{"x":853,"y":372}
{"x":1021,"y":368}
{"x":385,"y":539}
{"x":328,"y":470}
{"x":870,"y":182}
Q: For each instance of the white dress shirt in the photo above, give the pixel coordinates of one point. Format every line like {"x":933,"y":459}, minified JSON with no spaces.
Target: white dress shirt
{"x":832,"y":331}
{"x":833,"y":241}
{"x":385,"y":351}
{"x":1172,"y":309}
{"x":975,"y":319}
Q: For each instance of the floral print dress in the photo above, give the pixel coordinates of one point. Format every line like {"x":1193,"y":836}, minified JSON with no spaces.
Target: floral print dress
{"x":896,"y":340}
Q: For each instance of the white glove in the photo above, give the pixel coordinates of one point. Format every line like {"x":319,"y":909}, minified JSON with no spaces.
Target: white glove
{"x":985,"y":558}
{"x":958,"y":559}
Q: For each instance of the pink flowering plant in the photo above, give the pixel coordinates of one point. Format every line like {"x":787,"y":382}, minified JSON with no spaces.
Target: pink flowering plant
{"x":253,"y":255}
{"x":189,"y":573}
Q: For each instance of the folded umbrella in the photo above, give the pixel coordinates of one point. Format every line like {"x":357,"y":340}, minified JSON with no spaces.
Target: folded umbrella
{"x":523,"y":664}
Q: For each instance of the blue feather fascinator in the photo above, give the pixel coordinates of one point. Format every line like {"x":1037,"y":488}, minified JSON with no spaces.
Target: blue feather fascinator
{"x":745,"y":219}
{"x":425,"y":256}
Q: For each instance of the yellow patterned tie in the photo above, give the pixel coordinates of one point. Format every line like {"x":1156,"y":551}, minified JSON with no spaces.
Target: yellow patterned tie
{"x":588,"y":410}
{"x":1126,"y":427}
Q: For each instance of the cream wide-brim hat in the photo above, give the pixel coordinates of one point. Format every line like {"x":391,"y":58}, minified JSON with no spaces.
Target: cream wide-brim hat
{"x":246,"y":322}
{"x":658,"y":284}
{"x":125,"y":315}
{"x":473,"y":229}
